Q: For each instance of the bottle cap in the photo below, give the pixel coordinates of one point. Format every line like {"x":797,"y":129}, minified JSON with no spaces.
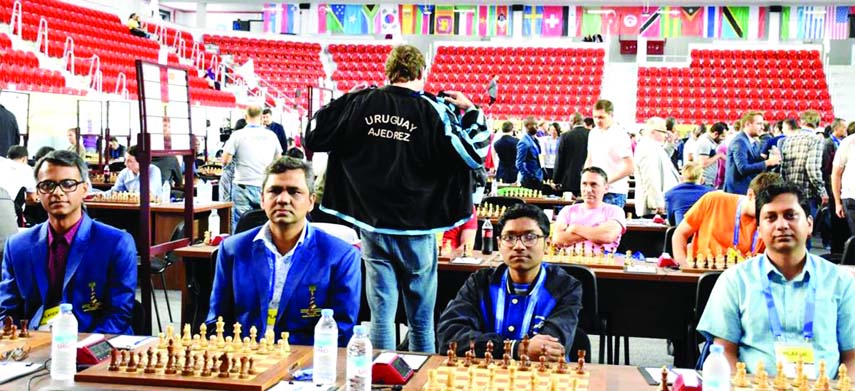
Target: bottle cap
{"x":360,"y":330}
{"x":716,"y":348}
{"x":65,"y":307}
{"x":327,"y":312}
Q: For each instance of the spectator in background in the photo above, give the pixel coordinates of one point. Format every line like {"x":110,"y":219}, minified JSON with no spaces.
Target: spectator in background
{"x":654,"y":172}
{"x":670,"y":141}
{"x":589,"y":123}
{"x":276,"y":128}
{"x":809,"y":121}
{"x":780,"y":130}
{"x":506,"y":151}
{"x":76,"y":146}
{"x":572,"y":151}
{"x":7,"y":219}
{"x":801,"y":162}
{"x":690,"y":150}
{"x":42,"y":152}
{"x":707,"y":154}
{"x":843,"y":180}
{"x":593,"y":223}
{"x":170,"y":171}
{"x":129,"y":178}
{"x":609,"y":148}
{"x":680,"y":198}
{"x":117,"y":152}
{"x":528,"y":157}
{"x":838,"y":225}
{"x":18,"y":176}
{"x":252,"y":149}
{"x":133,"y":24}
{"x":493,"y":88}
{"x":9,"y":133}
{"x":296,"y":153}
{"x":743,"y":157}
{"x":549,"y":148}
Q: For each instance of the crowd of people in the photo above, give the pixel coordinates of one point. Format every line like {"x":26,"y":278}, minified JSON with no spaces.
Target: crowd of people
{"x":403,"y":168}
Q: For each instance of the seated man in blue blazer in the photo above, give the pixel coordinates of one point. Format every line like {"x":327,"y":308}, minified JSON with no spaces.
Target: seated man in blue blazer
{"x":69,"y":258}
{"x":283,"y":273}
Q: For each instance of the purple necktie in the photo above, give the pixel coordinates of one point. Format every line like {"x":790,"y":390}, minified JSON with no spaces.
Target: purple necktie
{"x":56,"y":269}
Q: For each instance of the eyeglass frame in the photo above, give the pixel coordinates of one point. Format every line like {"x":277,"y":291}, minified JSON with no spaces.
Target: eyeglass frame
{"x":59,"y":184}
{"x":505,"y":239}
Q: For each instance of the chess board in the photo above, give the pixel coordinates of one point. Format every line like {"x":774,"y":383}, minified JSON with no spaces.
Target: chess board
{"x":599,"y":261}
{"x":761,"y":381}
{"x":516,"y":376}
{"x":122,"y":198}
{"x":13,"y":337}
{"x":198,"y":363}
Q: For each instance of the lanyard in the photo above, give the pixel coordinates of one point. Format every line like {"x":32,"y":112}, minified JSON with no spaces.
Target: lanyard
{"x":774,"y":320}
{"x":835,"y":140}
{"x":529,"y":309}
{"x":736,"y":224}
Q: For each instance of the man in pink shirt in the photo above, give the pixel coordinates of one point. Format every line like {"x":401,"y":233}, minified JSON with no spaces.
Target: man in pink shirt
{"x":594,"y":223}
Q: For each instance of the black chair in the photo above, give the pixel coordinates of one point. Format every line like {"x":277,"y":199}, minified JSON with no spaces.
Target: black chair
{"x":702,"y":294}
{"x":589,"y":316}
{"x":250,"y":219}
{"x":158,"y":267}
{"x":580,"y":342}
{"x":668,"y":247}
{"x":848,"y":257}
{"x":502,"y":201}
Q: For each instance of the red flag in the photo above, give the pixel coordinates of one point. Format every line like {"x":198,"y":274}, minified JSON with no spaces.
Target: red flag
{"x":553,"y":21}
{"x":693,"y":21}
{"x":627,"y":20}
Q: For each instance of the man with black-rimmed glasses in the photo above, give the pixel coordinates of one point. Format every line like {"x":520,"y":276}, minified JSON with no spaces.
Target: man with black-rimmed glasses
{"x":521,"y":298}
{"x":69,"y":259}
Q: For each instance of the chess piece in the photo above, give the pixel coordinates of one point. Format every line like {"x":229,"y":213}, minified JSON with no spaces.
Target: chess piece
{"x":468,"y":360}
{"x":780,"y":382}
{"x":114,"y":356}
{"x":243,"y":368}
{"x":843,"y":378}
{"x":524,"y":346}
{"x":197,"y":342}
{"x":562,"y":365}
{"x":284,"y":347}
{"x":188,"y":356}
{"x":170,"y":332}
{"x":741,"y":377}
{"x":25,"y":331}
{"x":159,"y":363}
{"x":761,"y":369}
{"x":220,"y":330}
{"x":542,"y":368}
{"x":451,"y":354}
{"x":203,"y":331}
{"x":132,"y":364}
{"x":246,"y":348}
{"x":663,"y":381}
{"x":149,"y":365}
{"x":234,"y":367}
{"x":488,"y":359}
{"x":525,"y":363}
{"x":186,"y":335}
{"x":224,"y":366}
{"x":472,"y":351}
{"x":253,"y":338}
{"x":161,"y":341}
{"x":228,"y":345}
{"x":251,"y":370}
{"x":206,"y":371}
{"x":124,"y":358}
{"x":13,"y":334}
{"x":170,"y":362}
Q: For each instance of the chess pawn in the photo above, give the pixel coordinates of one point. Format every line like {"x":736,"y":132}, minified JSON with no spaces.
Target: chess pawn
{"x":843,"y":381}
{"x":253,"y":338}
{"x":114,"y":357}
{"x":284,"y":347}
{"x":741,"y":378}
{"x":170,"y":332}
{"x":161,"y":341}
{"x":197,"y":342}
{"x":247,"y":347}
{"x":229,"y":346}
{"x":149,"y":364}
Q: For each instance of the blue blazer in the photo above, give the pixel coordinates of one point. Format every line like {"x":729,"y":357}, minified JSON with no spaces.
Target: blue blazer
{"x":322,"y":263}
{"x":528,"y":159}
{"x":277,"y":129}
{"x":506,"y":150}
{"x":102,"y":260}
{"x":743,"y":164}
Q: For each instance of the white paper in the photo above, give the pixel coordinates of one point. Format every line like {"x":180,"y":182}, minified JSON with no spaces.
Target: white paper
{"x":656,"y":374}
{"x":466,"y":261}
{"x":10,"y":370}
{"x":415,"y":361}
{"x":128,"y":341}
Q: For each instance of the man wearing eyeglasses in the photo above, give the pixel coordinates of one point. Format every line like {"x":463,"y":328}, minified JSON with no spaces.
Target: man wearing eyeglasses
{"x":594,"y":224}
{"x":522,"y":297}
{"x":69,"y":258}
{"x":654,"y":172}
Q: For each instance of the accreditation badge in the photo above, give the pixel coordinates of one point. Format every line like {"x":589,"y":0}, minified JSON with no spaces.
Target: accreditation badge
{"x":47,"y":318}
{"x":791,"y":353}
{"x":271,"y":317}
{"x":94,"y":304}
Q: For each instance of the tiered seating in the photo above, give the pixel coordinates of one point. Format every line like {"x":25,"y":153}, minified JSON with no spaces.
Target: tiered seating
{"x":22,"y":70}
{"x":359,"y":64}
{"x":288,"y":66}
{"x":549,"y":83}
{"x":721,"y":84}
{"x":95,"y":32}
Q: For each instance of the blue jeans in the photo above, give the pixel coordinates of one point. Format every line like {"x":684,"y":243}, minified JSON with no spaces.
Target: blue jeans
{"x":615,"y":199}
{"x":408,"y":263}
{"x":244,"y":198}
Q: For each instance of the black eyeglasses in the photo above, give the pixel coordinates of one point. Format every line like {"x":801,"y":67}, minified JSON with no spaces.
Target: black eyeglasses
{"x":67,"y":186}
{"x":527,"y":240}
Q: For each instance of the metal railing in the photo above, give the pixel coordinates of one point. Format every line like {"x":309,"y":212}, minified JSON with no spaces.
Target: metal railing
{"x":15,"y":20}
{"x":68,"y":54}
{"x":95,"y":76}
{"x":42,"y":35}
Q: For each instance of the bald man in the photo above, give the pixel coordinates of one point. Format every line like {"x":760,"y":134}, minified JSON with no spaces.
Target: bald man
{"x":654,"y":173}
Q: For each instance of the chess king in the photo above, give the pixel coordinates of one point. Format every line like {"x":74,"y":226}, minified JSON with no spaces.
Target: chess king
{"x":522,"y":297}
{"x":785,"y":304}
{"x":281,"y":274}
{"x":69,"y":258}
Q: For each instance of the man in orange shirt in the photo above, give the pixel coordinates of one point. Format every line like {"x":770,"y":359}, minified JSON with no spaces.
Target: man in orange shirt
{"x":720,"y":221}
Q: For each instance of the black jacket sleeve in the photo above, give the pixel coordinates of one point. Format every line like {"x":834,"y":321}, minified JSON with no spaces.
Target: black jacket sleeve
{"x":329,"y":124}
{"x":558,"y":167}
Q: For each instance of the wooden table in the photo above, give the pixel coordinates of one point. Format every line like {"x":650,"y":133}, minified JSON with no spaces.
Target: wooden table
{"x":199,"y":266}
{"x":102,"y":185}
{"x":164,"y":218}
{"x":604,"y":377}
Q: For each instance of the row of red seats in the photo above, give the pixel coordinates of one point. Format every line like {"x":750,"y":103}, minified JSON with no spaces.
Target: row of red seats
{"x":730,"y":72}
{"x":755,"y":63}
{"x":19,"y":58}
{"x":379,"y":58}
{"x":5,"y":42}
{"x":29,"y":75}
{"x":709,"y":94}
{"x":350,"y":48}
{"x":54,"y":9}
{"x":520,"y":51}
{"x":769,"y":104}
{"x":357,"y":66}
{"x":752,"y":54}
{"x":477,"y":60}
{"x":262,"y":44}
{"x":725,"y":83}
{"x":560,"y":112}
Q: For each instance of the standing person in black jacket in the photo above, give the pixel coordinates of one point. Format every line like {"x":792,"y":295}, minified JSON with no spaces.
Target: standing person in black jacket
{"x":275,"y":127}
{"x":9,"y":133}
{"x":400,"y":170}
{"x":572,"y":152}
{"x":506,"y":151}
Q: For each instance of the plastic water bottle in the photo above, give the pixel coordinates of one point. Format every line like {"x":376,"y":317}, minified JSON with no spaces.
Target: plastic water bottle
{"x":63,"y":350}
{"x":214,"y":223}
{"x":716,"y":370}
{"x":359,"y":354}
{"x":325,"y":349}
{"x":487,"y":237}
